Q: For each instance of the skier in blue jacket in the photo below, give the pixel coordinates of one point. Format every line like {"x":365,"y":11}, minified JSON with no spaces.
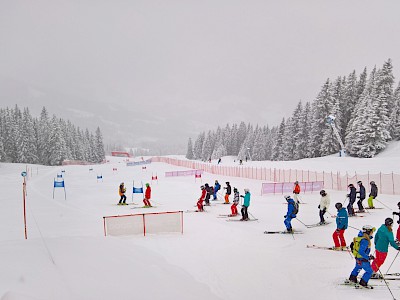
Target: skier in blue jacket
{"x":217,"y":187}
{"x":291,"y":213}
{"x":361,"y":252}
{"x":342,"y":221}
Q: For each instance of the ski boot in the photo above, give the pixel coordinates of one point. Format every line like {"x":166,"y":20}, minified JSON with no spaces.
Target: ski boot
{"x":353,"y":278}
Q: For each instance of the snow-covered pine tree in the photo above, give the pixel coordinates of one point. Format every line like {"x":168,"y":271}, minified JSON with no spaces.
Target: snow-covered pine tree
{"x":330,"y":144}
{"x":198,"y":145}
{"x":56,"y":145}
{"x":99,"y":146}
{"x":241,"y":136}
{"x":247,"y":144}
{"x":288,"y":140}
{"x":208,"y":147}
{"x":29,"y":138}
{"x":278,"y":144}
{"x":395,"y":116}
{"x":259,"y":149}
{"x":189,"y":151}
{"x":44,"y":137}
{"x":219,"y":152}
{"x":321,"y":110}
{"x":348,"y":103}
{"x":298,"y":121}
{"x":234,"y":137}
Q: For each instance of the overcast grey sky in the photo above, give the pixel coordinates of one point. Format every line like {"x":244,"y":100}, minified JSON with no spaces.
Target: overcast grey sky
{"x":166,"y":70}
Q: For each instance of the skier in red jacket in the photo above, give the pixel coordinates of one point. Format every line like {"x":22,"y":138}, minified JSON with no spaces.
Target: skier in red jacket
{"x":201,"y":199}
{"x":147,"y":196}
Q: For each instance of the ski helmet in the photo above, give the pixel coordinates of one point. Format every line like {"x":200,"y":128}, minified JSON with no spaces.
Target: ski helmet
{"x":235,"y":190}
{"x":359,"y":182}
{"x":287,"y":197}
{"x":202,"y":187}
{"x":206,"y":185}
{"x":147,"y":184}
{"x":398,"y":204}
{"x":246,"y":190}
{"x":322,"y":193}
{"x":296,"y":182}
{"x":338,"y":205}
{"x":372,"y":182}
{"x":351,"y":185}
{"x":227,"y":182}
{"x":388,"y":222}
{"x":368,"y":229}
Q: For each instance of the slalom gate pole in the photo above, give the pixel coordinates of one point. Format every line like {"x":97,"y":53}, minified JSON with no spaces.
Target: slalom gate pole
{"x":384,"y":280}
{"x":392,"y":262}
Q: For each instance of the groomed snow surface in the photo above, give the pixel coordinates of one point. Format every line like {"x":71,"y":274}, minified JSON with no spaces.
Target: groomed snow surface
{"x":67,"y":256}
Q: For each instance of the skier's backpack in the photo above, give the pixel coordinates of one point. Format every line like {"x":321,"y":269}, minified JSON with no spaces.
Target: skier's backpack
{"x":355,"y":246}
{"x":295,"y":208}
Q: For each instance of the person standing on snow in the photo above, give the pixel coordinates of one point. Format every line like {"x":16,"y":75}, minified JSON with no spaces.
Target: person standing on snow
{"x":383,"y":237}
{"x":342,"y":222}
{"x":291,"y":213}
{"x":352,"y":198}
{"x":217,"y":187}
{"x":147,"y":196}
{"x":228,"y":192}
{"x":201,"y":199}
{"x":372,"y":194}
{"x":235,"y":202}
{"x":398,"y":222}
{"x":323,"y":206}
{"x":296,"y":192}
{"x":246,"y":204}
{"x":121,"y":192}
{"x":361,"y":252}
{"x":208,"y":194}
{"x":361,"y":196}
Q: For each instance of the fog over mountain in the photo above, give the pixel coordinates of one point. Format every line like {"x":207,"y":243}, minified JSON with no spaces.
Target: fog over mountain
{"x":158,"y":72}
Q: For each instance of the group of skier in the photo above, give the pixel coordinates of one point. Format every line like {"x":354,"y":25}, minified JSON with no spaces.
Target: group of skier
{"x":361,"y":245}
{"x":146,"y":198}
{"x":207,"y":190}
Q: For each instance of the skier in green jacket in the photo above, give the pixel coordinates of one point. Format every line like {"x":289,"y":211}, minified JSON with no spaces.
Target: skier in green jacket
{"x":383,"y":237}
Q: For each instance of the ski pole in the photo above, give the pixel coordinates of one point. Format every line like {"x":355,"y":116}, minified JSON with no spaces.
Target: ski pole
{"x":383,"y":203}
{"x":252,"y":216}
{"x":301,"y":222}
{"x":392,"y":262}
{"x":353,"y":227}
{"x":384,"y":280}
{"x":345,"y":200}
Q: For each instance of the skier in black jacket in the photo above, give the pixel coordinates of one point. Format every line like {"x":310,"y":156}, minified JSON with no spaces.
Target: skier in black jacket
{"x":352,"y":199}
{"x":361,"y":196}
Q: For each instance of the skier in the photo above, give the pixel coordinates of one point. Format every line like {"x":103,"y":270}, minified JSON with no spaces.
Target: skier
{"x":352,"y":199}
{"x":228,"y":192}
{"x":361,"y":250}
{"x":121,"y":192}
{"x":361,"y":196}
{"x":372,"y":194}
{"x":208,"y":194}
{"x":296,"y":191}
{"x":235,"y":202}
{"x":323,"y":205}
{"x":246,"y":204}
{"x":291,"y":213}
{"x":383,"y":237}
{"x":219,"y":161}
{"x":147,"y":196}
{"x":217,"y":187}
{"x":201,"y":199}
{"x":342,"y":221}
{"x":398,"y":222}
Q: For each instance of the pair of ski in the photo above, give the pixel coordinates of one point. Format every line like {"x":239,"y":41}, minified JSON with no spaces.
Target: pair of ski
{"x":240,"y":220}
{"x":357,"y":285}
{"x":227,"y":216}
{"x":358,"y":216}
{"x":347,"y":249}
{"x":318,"y":224}
{"x":283,"y":232}
{"x":143,"y":207}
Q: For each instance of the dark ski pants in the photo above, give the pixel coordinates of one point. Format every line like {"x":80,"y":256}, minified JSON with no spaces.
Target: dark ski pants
{"x":321,"y":215}
{"x":350,"y":209}
{"x":244,"y":213}
{"x":359,"y":204}
{"x":123,"y":199}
